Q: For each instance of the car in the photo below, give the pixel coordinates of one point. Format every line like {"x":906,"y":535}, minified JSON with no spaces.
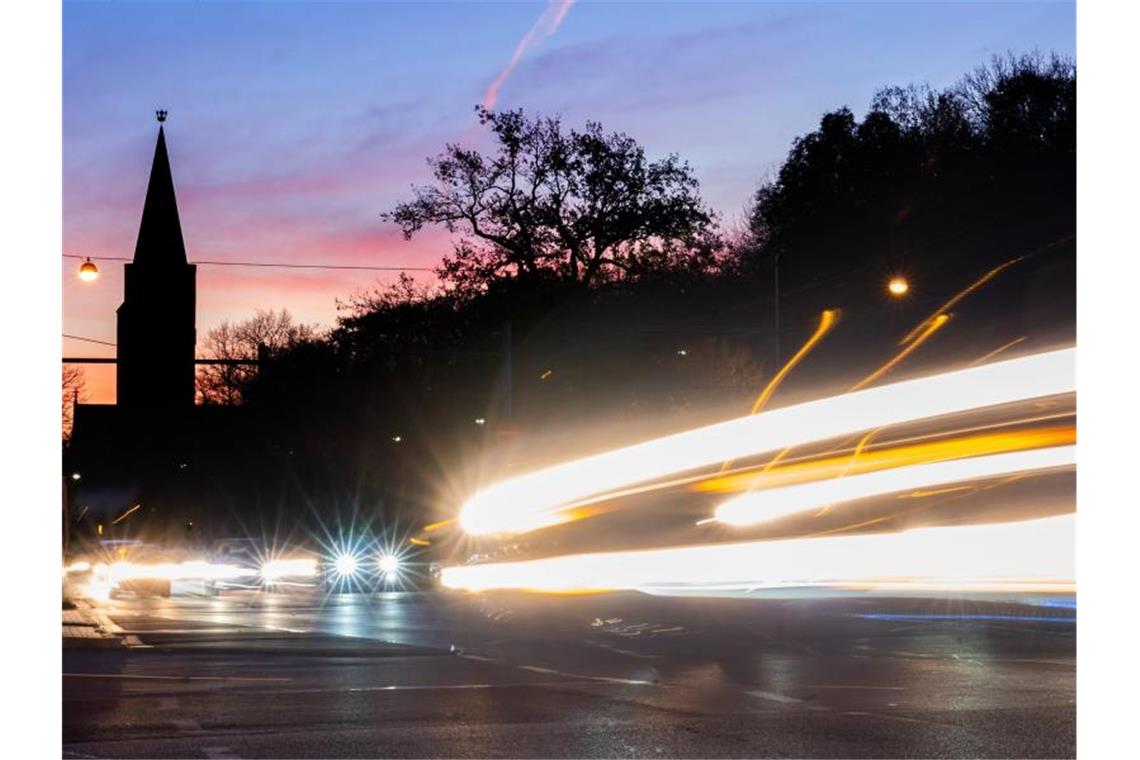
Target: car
{"x":247,"y":563}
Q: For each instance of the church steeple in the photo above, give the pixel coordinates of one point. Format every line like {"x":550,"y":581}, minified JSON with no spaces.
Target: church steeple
{"x":156,"y":320}
{"x":160,"y":233}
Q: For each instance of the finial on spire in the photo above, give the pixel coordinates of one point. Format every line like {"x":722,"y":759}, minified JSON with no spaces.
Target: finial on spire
{"x":161,"y":114}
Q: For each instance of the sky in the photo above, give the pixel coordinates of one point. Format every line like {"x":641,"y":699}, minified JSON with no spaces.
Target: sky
{"x":293,"y":125}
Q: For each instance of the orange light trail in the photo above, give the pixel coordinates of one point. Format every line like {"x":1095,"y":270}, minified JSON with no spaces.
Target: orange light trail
{"x":958,"y":297}
{"x":1000,"y":349}
{"x":827,"y":320}
{"x":933,"y":327}
{"x":531,"y":501}
{"x":897,"y":456}
{"x":126,"y":514}
{"x":437,"y":525}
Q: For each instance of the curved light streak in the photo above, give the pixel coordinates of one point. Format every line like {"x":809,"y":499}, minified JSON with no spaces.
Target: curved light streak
{"x":899,"y":454}
{"x":763,"y":506}
{"x":933,"y":327}
{"x":958,"y":297}
{"x":530,"y":501}
{"x":827,"y":320}
{"x":1035,"y":555}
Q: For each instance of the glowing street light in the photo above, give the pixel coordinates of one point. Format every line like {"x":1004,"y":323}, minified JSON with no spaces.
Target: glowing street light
{"x":88,"y":272}
{"x":898,"y":286}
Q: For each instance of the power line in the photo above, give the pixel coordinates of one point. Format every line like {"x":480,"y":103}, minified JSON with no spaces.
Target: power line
{"x":269,"y":264}
{"x":89,"y":340}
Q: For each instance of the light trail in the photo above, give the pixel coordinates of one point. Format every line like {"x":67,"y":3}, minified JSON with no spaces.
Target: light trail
{"x":1000,"y":349}
{"x":895,"y":456}
{"x":276,"y":569}
{"x":117,"y":572}
{"x":827,"y":320}
{"x":741,"y":480}
{"x":958,"y":297}
{"x":531,"y":501}
{"x":935,"y":325}
{"x":763,"y":506}
{"x":1034,"y":555}
{"x":126,"y":514}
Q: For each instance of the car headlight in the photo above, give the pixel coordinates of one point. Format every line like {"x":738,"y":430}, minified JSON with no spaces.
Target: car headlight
{"x":389,"y":564}
{"x":345,"y":565}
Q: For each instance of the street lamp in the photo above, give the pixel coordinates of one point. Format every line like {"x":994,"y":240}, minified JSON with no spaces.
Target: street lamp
{"x":88,"y":272}
{"x":898,"y":286}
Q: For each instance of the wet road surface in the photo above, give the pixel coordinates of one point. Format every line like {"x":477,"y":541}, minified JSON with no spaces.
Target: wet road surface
{"x":448,"y":675}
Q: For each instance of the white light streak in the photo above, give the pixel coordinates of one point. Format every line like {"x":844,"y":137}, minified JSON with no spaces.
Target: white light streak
{"x":770,"y":504}
{"x":276,"y":569}
{"x":1032,"y":555}
{"x":530,"y":501}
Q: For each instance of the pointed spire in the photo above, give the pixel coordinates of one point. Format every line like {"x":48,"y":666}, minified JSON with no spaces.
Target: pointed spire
{"x":160,"y":234}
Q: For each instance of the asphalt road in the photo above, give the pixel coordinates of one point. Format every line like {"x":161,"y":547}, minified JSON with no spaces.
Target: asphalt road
{"x":447,"y":675}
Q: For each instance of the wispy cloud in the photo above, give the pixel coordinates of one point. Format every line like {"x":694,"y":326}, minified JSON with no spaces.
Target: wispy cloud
{"x":546,"y":25}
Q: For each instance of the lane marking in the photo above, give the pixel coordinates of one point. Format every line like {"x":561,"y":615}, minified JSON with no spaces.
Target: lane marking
{"x":853,"y":686}
{"x":773,"y":697}
{"x":221,"y":753}
{"x":902,"y":718}
{"x":429,"y":687}
{"x":140,"y":677}
{"x":186,"y":725}
{"x":537,"y":669}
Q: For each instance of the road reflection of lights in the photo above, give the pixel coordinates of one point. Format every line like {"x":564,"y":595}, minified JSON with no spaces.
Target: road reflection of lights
{"x":532,"y":501}
{"x":1034,"y":556}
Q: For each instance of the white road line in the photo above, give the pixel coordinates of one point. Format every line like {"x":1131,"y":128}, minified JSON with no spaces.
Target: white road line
{"x":901,"y":718}
{"x":186,"y":725}
{"x":537,"y":669}
{"x":429,"y":687}
{"x":854,"y":686}
{"x":479,"y":658}
{"x":773,"y":697}
{"x":1061,"y":663}
{"x":140,"y":677}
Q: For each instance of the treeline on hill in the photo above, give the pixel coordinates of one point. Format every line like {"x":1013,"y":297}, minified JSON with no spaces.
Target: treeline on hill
{"x":592,"y":297}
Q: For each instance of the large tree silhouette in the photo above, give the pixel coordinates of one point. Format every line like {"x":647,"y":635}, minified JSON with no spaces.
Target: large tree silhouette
{"x":973,"y":174}
{"x":583,"y":207}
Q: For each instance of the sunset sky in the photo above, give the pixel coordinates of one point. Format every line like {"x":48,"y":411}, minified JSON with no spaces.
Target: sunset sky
{"x":293,"y":125}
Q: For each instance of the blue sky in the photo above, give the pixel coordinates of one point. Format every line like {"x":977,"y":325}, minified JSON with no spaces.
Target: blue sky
{"x":293,"y":124}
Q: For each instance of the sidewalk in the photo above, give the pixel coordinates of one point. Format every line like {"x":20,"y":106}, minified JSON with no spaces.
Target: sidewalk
{"x":84,"y":627}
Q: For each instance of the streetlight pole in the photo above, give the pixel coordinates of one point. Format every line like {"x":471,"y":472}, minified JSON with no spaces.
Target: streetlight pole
{"x":776,"y":302}
{"x":508,"y":412}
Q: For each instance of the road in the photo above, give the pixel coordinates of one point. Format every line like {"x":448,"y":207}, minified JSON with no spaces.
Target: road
{"x":448,"y":675}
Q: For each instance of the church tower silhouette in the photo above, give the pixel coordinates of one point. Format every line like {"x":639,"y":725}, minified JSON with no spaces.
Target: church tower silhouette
{"x":156,"y":321}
